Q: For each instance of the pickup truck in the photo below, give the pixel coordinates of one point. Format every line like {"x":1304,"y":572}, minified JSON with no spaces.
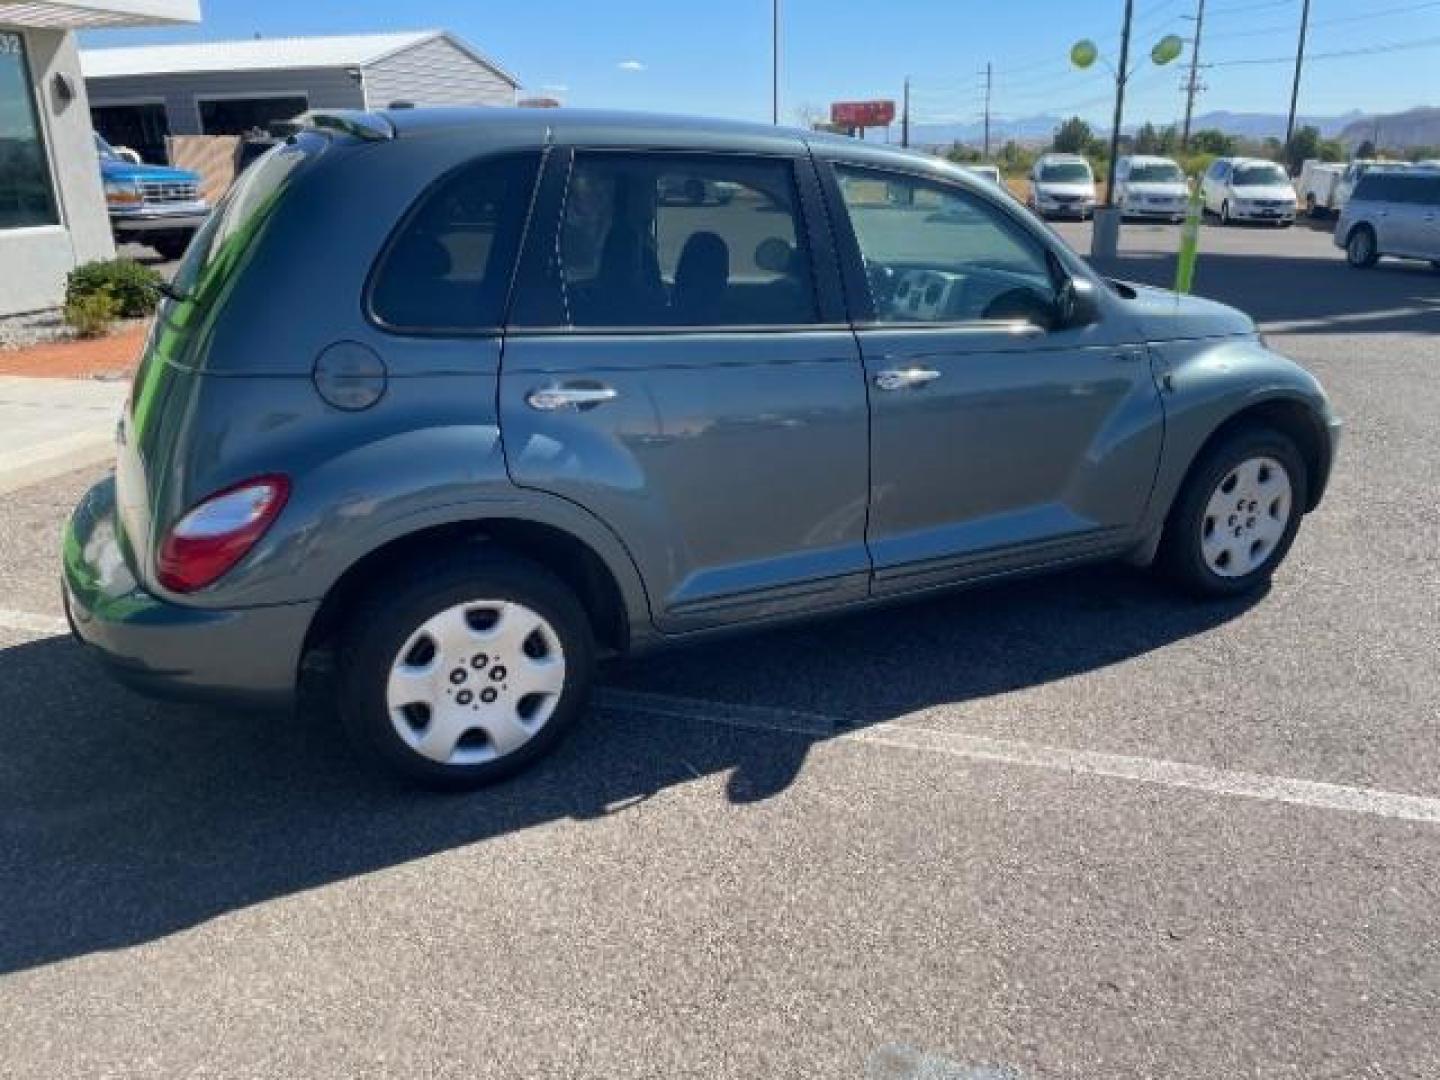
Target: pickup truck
{"x":151,"y":204}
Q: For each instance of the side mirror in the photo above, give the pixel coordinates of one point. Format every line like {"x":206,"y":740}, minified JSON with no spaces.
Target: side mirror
{"x":1077,"y":304}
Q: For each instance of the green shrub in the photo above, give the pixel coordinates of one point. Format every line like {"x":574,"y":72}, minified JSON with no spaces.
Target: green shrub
{"x":92,"y":313}
{"x":132,"y":287}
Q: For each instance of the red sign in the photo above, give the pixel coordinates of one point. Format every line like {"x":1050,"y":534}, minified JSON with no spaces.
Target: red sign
{"x":862,"y":114}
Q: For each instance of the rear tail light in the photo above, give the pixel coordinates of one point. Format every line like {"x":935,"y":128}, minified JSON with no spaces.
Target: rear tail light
{"x":215,"y":535}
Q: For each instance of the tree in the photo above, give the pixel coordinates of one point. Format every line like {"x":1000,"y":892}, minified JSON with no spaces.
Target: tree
{"x":1211,"y":141}
{"x":1074,"y":136}
{"x":1365,"y":150}
{"x":1169,"y":139}
{"x":1304,"y":145}
{"x":961,"y":153}
{"x":1147,"y":139}
{"x":1332,"y":150}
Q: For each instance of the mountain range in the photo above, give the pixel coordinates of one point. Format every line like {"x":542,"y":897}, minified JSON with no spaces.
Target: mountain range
{"x":1248,"y":125}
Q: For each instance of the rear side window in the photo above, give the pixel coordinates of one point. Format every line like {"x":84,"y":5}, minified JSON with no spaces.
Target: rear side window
{"x":449,"y":265}
{"x":652,"y":240}
{"x":231,"y":230}
{"x":1376,"y":187}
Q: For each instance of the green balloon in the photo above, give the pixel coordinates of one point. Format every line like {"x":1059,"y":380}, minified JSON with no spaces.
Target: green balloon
{"x":1083,"y":53}
{"x":1166,"y":49}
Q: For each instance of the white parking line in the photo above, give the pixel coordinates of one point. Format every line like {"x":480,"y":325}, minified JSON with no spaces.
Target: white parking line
{"x":901,"y":736}
{"x":1173,"y":774}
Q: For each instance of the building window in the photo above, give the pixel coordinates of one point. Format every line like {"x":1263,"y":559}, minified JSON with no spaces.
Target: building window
{"x":26,"y":195}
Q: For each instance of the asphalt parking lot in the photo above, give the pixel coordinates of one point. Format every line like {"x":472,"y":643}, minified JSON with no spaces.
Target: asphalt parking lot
{"x":1074,"y":827}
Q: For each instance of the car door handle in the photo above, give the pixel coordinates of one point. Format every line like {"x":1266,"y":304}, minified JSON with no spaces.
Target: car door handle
{"x":903,"y":378}
{"x":550,"y":398}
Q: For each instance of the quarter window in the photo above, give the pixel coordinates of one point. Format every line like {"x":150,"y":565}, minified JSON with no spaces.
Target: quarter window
{"x":936,"y":253}
{"x":450,"y":265}
{"x":27,"y":198}
{"x":650,"y":240}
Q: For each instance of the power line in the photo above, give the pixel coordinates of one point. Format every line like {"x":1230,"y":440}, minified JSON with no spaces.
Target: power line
{"x":1236,"y":8}
{"x":1373,"y":50}
{"x":1334,"y":20}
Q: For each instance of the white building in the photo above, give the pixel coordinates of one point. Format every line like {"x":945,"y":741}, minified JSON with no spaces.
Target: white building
{"x":52,"y":210}
{"x":140,"y":95}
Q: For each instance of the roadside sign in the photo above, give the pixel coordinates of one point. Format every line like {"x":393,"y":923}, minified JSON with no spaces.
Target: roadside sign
{"x":862,"y":114}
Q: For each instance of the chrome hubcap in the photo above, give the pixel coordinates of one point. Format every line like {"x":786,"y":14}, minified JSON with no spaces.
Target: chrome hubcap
{"x":475,"y":682}
{"x":1246,"y":517}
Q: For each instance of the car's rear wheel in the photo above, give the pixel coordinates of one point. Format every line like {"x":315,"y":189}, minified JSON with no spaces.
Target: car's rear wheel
{"x":1225,"y":212}
{"x":1237,"y":514}
{"x":464,"y":670}
{"x":1361,"y":251}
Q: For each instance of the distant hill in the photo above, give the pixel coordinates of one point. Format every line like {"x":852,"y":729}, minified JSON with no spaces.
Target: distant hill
{"x":1395,"y":131}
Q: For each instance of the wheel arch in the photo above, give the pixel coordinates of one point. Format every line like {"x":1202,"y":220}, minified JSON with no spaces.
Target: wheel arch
{"x":611,"y":594}
{"x":1293,"y":417}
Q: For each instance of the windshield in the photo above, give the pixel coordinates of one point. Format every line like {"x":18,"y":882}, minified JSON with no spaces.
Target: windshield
{"x":1066,"y":172}
{"x":1160,"y":172}
{"x":1259,"y":176}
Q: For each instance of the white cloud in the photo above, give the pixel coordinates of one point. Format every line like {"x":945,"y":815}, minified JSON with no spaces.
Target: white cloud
{"x":630,"y":65}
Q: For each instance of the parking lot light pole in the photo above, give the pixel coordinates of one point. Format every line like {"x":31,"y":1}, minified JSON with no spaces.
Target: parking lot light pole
{"x":1105,"y":240}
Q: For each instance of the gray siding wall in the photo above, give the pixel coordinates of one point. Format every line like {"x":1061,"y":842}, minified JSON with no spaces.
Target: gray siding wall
{"x":326,"y":88}
{"x":435,"y":72}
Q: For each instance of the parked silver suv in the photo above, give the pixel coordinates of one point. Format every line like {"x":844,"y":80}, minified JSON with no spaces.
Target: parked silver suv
{"x":1392,"y":213}
{"x":462,"y":399}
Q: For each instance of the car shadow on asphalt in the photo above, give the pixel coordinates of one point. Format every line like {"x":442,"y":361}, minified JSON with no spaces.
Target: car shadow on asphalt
{"x":123,"y":820}
{"x":1302,"y":295}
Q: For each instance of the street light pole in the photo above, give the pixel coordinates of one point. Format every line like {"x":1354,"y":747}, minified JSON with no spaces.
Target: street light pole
{"x":775,"y":61}
{"x":1299,"y":63}
{"x":1121,"y":76}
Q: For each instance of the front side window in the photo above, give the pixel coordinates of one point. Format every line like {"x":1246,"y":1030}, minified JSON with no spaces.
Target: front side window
{"x":27,"y":198}
{"x":450,"y":264}
{"x":652,"y":240}
{"x":936,"y":253}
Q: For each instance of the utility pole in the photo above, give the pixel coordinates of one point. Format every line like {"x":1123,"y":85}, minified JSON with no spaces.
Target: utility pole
{"x":989,"y":74}
{"x":1122,"y":75}
{"x":1194,"y":87}
{"x":775,"y":61}
{"x":905,"y":116}
{"x":1299,"y":63}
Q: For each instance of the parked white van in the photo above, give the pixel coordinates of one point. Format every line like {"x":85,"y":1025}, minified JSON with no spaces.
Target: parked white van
{"x":1062,"y":185}
{"x":1392,"y":212}
{"x":1248,"y":189}
{"x":1150,"y":187}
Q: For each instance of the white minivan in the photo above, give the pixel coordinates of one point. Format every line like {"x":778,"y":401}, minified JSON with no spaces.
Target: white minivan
{"x":1150,"y":187}
{"x":1062,"y":185}
{"x":1392,"y":213}
{"x":1248,"y":189}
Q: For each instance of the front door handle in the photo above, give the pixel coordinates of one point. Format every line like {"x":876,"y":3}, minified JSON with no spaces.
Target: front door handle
{"x":550,"y":398}
{"x":903,"y":378}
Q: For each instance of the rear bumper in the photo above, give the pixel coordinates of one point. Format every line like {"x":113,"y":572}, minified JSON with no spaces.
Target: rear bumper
{"x":237,"y":656}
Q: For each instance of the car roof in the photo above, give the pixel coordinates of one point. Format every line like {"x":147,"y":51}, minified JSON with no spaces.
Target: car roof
{"x":1063,"y":157}
{"x":613,"y":128}
{"x":1149,"y":159}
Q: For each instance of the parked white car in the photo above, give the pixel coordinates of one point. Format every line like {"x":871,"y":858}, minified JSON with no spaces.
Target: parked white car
{"x":1319,"y":187}
{"x":1248,"y":189}
{"x":985,"y":172}
{"x":1062,"y":185}
{"x":1150,"y":187}
{"x":1392,"y":212}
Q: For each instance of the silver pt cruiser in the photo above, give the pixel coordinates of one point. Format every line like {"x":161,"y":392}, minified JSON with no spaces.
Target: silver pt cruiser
{"x":462,"y":398}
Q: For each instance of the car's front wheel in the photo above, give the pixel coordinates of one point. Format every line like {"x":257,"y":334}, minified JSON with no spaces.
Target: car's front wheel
{"x":1237,"y":514}
{"x":1225,"y":213}
{"x":466,"y":669}
{"x":1361,"y":250}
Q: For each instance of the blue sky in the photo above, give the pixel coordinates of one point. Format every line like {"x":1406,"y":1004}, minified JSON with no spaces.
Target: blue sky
{"x":714,"y":58}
